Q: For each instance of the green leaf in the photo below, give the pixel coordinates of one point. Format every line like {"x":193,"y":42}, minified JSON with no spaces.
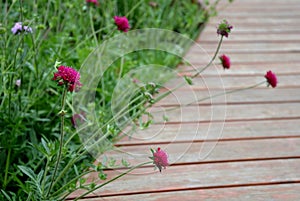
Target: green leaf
{"x":27,"y":171}
{"x":188,"y":80}
{"x":6,"y":195}
{"x":125,"y":163}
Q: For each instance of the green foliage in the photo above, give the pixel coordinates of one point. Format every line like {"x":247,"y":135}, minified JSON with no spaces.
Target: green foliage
{"x":68,"y":31}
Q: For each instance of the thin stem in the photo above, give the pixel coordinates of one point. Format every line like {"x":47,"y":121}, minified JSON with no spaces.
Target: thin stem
{"x":45,"y":174}
{"x":6,"y":168}
{"x":113,"y":179}
{"x":62,"y":116}
{"x":92,"y":27}
{"x":212,"y":59}
{"x":82,"y":149}
{"x":71,"y":181}
{"x":34,"y":57}
{"x":216,"y":95}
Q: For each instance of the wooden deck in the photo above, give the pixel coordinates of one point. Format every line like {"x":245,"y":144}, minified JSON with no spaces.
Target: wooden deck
{"x":244,"y":147}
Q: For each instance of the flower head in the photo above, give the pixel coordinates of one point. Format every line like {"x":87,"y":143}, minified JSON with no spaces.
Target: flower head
{"x":68,"y":76}
{"x":93,"y":2}
{"x":18,"y":82}
{"x":160,"y":158}
{"x":122,"y":23}
{"x":224,"y":28}
{"x":18,"y":28}
{"x":225,"y":61}
{"x":271,"y":79}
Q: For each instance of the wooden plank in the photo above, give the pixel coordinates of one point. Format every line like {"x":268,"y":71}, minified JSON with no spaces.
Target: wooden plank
{"x":184,"y":97}
{"x":233,"y":82}
{"x":258,"y":57}
{"x":225,"y":113}
{"x":280,"y":192}
{"x":201,"y":176}
{"x":197,"y":132}
{"x":207,"y":152}
{"x":253,"y":37}
{"x":250,"y":69}
{"x":246,"y":48}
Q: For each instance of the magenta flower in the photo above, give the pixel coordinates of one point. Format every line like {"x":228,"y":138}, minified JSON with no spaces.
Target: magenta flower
{"x":18,"y":28}
{"x":93,"y":2}
{"x":271,"y":79}
{"x":122,"y":23}
{"x":225,"y":61}
{"x":160,"y":159}
{"x":68,"y":76}
{"x":224,"y":28}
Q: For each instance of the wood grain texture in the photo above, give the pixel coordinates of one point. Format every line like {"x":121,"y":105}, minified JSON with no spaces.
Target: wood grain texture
{"x":202,"y":176}
{"x":213,"y":151}
{"x":281,"y":192}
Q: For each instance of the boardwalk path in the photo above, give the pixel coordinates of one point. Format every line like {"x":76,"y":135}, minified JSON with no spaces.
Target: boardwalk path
{"x":257,"y":154}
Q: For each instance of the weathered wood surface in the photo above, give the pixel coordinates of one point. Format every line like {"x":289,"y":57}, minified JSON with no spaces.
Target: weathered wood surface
{"x":242,"y":146}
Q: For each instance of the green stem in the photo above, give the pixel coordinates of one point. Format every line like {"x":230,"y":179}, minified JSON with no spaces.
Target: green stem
{"x":71,"y":181}
{"x":113,"y":179}
{"x":92,"y":27}
{"x":34,"y":57}
{"x":62,"y":116}
{"x":45,"y":174}
{"x":82,"y":149}
{"x":195,"y":75}
{"x":212,"y":59}
{"x":216,"y":95}
{"x":6,"y":168}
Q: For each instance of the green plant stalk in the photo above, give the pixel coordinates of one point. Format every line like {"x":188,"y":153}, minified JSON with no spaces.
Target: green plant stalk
{"x":211,"y":61}
{"x":34,"y":57}
{"x":6,"y":168}
{"x":193,"y":76}
{"x":113,"y":179}
{"x":45,"y":174}
{"x":59,"y":16}
{"x":73,"y":180}
{"x":217,"y":95}
{"x":81,"y":149}
{"x":92,"y":27}
{"x":62,"y":116}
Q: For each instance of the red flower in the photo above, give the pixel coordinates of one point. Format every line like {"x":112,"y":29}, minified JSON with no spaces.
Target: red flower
{"x":224,"y":28}
{"x":225,"y":61}
{"x":271,"y":79}
{"x":93,"y":1}
{"x":68,"y":76}
{"x":160,"y":158}
{"x":122,"y":23}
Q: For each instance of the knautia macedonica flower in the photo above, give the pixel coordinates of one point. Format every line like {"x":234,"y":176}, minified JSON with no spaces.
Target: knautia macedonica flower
{"x":69,"y":77}
{"x":122,"y":23}
{"x":271,"y":79}
{"x":19,"y":28}
{"x":160,"y":158}
{"x":225,"y":60}
{"x":224,"y":28}
{"x":93,"y":2}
